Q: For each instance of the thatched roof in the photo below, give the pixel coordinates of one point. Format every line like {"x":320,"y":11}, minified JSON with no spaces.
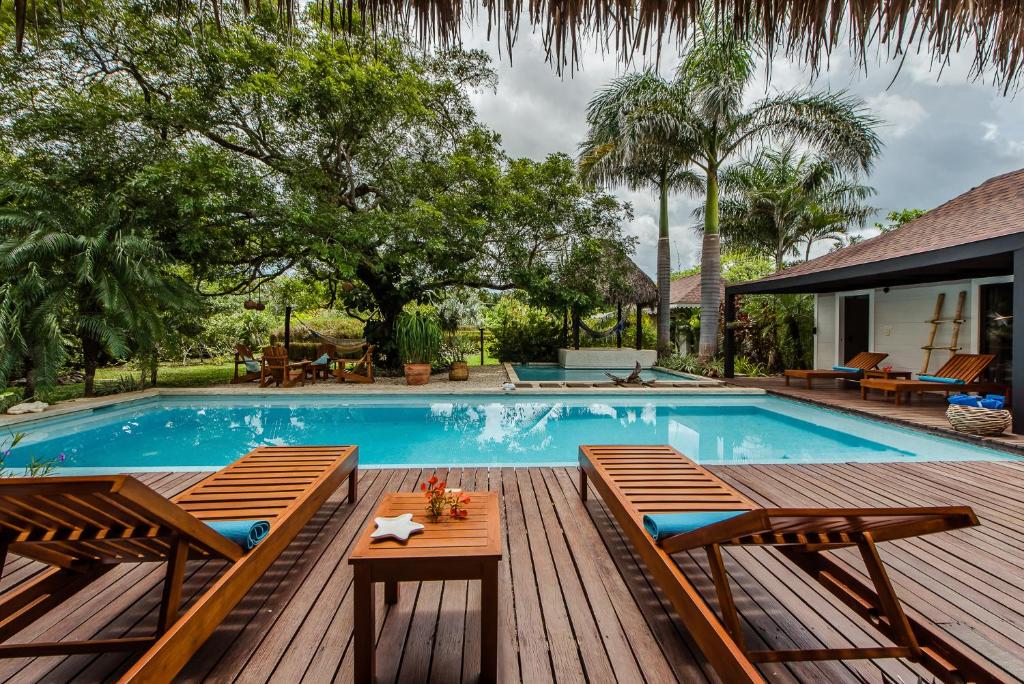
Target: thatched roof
{"x":805,"y":29}
{"x":633,"y":286}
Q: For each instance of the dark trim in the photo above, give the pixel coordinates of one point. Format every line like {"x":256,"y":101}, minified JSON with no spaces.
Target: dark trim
{"x":729,"y":335}
{"x":1017,"y":364}
{"x":898,"y":269}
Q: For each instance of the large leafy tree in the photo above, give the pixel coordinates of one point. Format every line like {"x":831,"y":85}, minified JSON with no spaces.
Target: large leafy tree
{"x":783,"y":200}
{"x":274,"y":150}
{"x":704,"y":116}
{"x":627,"y":145}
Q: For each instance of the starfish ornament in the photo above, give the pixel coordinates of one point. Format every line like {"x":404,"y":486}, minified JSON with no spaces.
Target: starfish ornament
{"x":399,"y":527}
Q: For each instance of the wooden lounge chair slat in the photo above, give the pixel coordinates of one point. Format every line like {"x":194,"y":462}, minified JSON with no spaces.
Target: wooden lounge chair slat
{"x":82,"y":526}
{"x":803,"y":535}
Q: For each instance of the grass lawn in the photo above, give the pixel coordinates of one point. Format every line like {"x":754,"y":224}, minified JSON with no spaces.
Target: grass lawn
{"x":169,"y":375}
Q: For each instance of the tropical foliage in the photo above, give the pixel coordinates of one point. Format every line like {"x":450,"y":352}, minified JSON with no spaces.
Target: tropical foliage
{"x":783,"y":201}
{"x":703,"y":116}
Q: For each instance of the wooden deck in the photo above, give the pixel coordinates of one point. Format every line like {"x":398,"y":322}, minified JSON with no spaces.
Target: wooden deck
{"x":575,"y":606}
{"x":928,"y":412}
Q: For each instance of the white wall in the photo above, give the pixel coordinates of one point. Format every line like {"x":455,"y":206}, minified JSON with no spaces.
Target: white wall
{"x":899,"y":323}
{"x":825,"y":332}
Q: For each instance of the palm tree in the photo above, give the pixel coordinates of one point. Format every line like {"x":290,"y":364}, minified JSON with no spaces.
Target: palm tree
{"x":702,"y":116}
{"x":623,"y":147}
{"x":89,"y":264}
{"x":783,"y":199}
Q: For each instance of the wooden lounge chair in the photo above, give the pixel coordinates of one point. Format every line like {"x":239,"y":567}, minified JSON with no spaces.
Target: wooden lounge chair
{"x":965,"y":367}
{"x":278,"y":369}
{"x":862,"y":362}
{"x":243,"y":354}
{"x":84,"y":526}
{"x":355,"y":370}
{"x":638,"y":480}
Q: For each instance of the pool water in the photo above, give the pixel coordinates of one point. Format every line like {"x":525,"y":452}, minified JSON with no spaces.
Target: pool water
{"x":209,"y":432}
{"x":559,"y":374}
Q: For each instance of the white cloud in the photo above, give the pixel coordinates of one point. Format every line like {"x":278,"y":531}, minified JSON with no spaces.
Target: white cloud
{"x":899,"y":114}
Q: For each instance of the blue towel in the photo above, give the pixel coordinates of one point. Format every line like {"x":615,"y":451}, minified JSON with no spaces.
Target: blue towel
{"x":662,"y":525}
{"x":322,"y":361}
{"x":936,"y":378}
{"x":991,"y":401}
{"x":965,"y":400}
{"x":847,"y":369}
{"x":245,"y":533}
{"x":994,"y":404}
{"x":251,"y":365}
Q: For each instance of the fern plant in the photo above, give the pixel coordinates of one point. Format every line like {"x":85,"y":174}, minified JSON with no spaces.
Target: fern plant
{"x":418,"y":334}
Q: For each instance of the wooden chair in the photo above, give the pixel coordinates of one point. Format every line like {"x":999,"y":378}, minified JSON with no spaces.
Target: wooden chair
{"x":862,"y":362}
{"x":84,"y":526}
{"x":965,"y":367}
{"x":638,"y":480}
{"x":276,"y":368}
{"x":323,"y":371}
{"x":356,"y":370}
{"x":243,"y":354}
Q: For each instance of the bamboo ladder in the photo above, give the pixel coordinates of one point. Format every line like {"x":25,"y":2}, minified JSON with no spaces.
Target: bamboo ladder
{"x":936,"y":321}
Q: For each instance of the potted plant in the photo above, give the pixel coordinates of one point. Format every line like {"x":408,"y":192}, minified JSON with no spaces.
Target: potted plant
{"x":419,"y":339}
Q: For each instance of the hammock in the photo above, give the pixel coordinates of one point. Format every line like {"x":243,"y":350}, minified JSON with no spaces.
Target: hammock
{"x":343,"y":345}
{"x":617,"y":328}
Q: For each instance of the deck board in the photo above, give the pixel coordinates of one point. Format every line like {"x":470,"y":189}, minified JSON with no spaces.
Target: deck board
{"x":575,"y":603}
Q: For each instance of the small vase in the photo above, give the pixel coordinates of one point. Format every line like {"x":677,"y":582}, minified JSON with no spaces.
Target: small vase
{"x":417,"y":373}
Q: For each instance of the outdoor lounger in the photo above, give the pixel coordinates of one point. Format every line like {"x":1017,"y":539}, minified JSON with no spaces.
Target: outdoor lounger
{"x":635,"y":481}
{"x":83,"y":526}
{"x":853,"y":369}
{"x":960,"y":374}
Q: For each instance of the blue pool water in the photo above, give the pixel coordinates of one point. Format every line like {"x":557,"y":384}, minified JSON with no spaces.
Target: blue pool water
{"x":209,"y":432}
{"x":559,"y":374}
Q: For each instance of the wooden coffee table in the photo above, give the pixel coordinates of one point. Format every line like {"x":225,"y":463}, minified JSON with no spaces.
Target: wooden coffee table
{"x":887,"y":374}
{"x":446,"y":549}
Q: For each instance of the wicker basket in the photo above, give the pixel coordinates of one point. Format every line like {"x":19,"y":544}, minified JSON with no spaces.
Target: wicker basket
{"x":978,"y":421}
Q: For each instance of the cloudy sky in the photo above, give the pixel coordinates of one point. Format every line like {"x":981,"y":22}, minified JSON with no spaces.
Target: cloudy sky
{"x":942,"y":134}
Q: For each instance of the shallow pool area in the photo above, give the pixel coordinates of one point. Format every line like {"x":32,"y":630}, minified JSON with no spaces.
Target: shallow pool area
{"x":207,"y":432}
{"x":552,"y":373}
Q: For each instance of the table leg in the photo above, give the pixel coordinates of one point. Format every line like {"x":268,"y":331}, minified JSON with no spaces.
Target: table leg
{"x":489,"y":623}
{"x":391,"y":591}
{"x":363,"y":625}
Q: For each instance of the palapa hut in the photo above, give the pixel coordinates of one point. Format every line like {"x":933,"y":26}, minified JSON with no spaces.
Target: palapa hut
{"x":806,"y":30}
{"x":630,"y":286}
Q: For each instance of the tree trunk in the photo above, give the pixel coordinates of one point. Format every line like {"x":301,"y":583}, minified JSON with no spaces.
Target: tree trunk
{"x":710,"y":272}
{"x":664,"y":274}
{"x":30,"y":381}
{"x":90,"y":358}
{"x":154,"y":365}
{"x":807,"y":252}
{"x":390,"y":302}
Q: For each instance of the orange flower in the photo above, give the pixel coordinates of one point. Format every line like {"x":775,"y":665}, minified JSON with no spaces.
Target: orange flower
{"x":432,"y":481}
{"x":423,"y":486}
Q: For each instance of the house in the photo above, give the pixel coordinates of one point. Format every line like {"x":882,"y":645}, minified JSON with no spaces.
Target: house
{"x":882,"y":293}
{"x":685,"y":294}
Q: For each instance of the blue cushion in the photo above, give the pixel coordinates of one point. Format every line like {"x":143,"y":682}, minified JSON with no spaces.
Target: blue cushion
{"x":937,"y":378}
{"x":662,"y":525}
{"x":251,"y":365}
{"x":322,"y":361}
{"x":847,"y":369}
{"x":245,"y":533}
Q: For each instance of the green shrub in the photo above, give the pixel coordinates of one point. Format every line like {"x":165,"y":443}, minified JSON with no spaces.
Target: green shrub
{"x":523,"y":333}
{"x":418,"y":335}
{"x":326,"y":322}
{"x":713,"y":368}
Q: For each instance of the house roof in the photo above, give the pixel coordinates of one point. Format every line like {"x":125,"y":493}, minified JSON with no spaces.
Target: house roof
{"x":968,"y":227}
{"x":686,"y":291}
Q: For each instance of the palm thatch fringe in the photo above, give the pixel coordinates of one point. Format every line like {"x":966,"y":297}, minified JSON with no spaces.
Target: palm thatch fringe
{"x":806,"y":29}
{"x":631,"y":286}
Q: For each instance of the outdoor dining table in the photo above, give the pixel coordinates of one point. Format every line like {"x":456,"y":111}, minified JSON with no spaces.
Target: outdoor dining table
{"x":446,"y":549}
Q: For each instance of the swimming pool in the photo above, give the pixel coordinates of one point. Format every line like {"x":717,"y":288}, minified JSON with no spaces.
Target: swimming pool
{"x":203,"y":432}
{"x":531,"y":373}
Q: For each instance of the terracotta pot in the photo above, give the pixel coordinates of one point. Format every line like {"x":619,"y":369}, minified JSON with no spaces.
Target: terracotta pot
{"x":417,"y":373}
{"x":459,"y":371}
